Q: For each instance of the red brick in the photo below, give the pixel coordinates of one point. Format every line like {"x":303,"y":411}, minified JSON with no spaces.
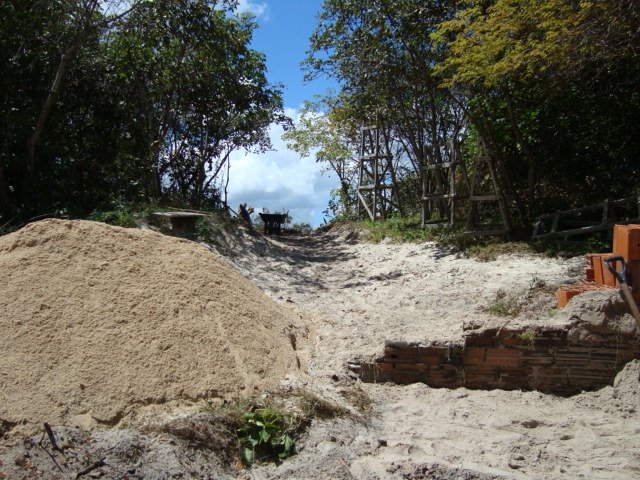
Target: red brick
{"x":571,"y":359}
{"x":445,"y":375}
{"x":610,"y":365}
{"x":432,"y":355}
{"x":475,"y":356}
{"x":601,"y":273}
{"x":483,"y":369}
{"x":590,"y":373}
{"x":626,"y":241}
{"x":503,"y":357}
{"x":484,"y":338}
{"x":407,"y":378}
{"x":543,"y":359}
{"x":633,"y":275}
{"x":550,"y":372}
{"x":411,"y":367}
{"x":401,"y":352}
{"x":384,"y":366}
{"x":512,"y":342}
{"x":564,"y":294}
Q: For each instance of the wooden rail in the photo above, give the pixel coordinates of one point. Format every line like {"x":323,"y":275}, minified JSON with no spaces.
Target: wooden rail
{"x":607,"y":214}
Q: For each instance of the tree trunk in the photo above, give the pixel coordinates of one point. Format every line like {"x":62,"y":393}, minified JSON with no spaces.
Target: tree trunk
{"x":531,"y":160}
{"x":484,"y":128}
{"x":47,"y":107}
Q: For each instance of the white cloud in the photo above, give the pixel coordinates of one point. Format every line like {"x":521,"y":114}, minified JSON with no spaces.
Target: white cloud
{"x":259,"y":9}
{"x":280,"y":179}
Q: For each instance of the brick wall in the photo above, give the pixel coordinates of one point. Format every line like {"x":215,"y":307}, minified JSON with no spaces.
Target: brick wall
{"x":549,"y":360}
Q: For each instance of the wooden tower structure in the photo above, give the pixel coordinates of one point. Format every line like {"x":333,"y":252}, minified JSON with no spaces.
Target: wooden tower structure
{"x":486,"y":195}
{"x":377,"y":192}
{"x":444,"y":184}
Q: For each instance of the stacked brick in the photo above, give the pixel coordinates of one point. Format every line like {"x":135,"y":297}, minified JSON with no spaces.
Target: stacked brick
{"x":626,"y":243}
{"x":548,"y":360}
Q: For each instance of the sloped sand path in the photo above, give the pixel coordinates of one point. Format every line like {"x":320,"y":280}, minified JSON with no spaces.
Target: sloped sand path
{"x":368,"y":293}
{"x":362,"y":294}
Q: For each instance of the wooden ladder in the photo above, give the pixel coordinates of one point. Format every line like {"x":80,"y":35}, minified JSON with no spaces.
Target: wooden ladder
{"x":377,"y":192}
{"x":444,"y":183}
{"x":484,"y":165}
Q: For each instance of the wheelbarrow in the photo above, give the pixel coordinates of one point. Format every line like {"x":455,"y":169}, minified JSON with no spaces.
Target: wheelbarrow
{"x":273,"y":222}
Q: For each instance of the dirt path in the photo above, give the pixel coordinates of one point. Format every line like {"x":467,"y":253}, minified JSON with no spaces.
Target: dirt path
{"x":360,"y":294}
{"x":368,"y":293}
{"x":352,"y":296}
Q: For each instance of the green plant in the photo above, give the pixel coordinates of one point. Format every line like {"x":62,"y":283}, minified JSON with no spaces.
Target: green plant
{"x":204,"y":229}
{"x":124,"y":214}
{"x":503,"y":306}
{"x":120,"y":216}
{"x":399,"y":229}
{"x":303,"y":228}
{"x":592,"y":244}
{"x":528,"y":336}
{"x":266,"y":434}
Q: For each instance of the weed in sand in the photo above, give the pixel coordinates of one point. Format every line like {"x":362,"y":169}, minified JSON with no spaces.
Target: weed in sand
{"x":263,"y":430}
{"x":489,"y":252}
{"x":266,"y":434}
{"x":503,"y":306}
{"x":125,"y":214}
{"x":314,"y":406}
{"x":359,"y":399}
{"x":528,"y":336}
{"x":258,"y":432}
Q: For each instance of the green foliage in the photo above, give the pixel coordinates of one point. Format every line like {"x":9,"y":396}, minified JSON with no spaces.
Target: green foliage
{"x":266,"y":435}
{"x":124,"y":214}
{"x":397,"y":229}
{"x":342,"y":204}
{"x":549,"y":87}
{"x":572,"y":248}
{"x":120,"y":218}
{"x":542,"y":78}
{"x":150,"y":105}
{"x":382,"y":54}
{"x":506,"y":39}
{"x":489,"y":251}
{"x":528,"y":336}
{"x":204,"y":229}
{"x":324,"y":129}
{"x":267,"y":430}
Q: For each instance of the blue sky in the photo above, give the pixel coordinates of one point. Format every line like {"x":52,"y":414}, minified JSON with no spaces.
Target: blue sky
{"x":280,"y":179}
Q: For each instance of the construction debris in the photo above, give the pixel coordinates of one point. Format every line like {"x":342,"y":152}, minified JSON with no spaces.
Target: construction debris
{"x":626,"y":244}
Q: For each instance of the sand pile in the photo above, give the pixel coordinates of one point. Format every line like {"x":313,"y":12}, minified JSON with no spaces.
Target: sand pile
{"x":97,"y":319}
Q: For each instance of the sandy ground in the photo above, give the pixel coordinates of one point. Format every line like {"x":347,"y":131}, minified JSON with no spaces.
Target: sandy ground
{"x":367,"y":293}
{"x":361,"y":294}
{"x":356,"y":295}
{"x":100,"y":320}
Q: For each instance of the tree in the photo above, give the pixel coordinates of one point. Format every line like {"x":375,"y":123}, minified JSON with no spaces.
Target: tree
{"x":322,"y":131}
{"x":156,"y":94}
{"x":202,"y":90}
{"x":551,"y":83}
{"x":382,"y":54}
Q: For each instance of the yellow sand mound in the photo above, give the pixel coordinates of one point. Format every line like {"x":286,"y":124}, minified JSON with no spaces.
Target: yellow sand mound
{"x":96,"y":319}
